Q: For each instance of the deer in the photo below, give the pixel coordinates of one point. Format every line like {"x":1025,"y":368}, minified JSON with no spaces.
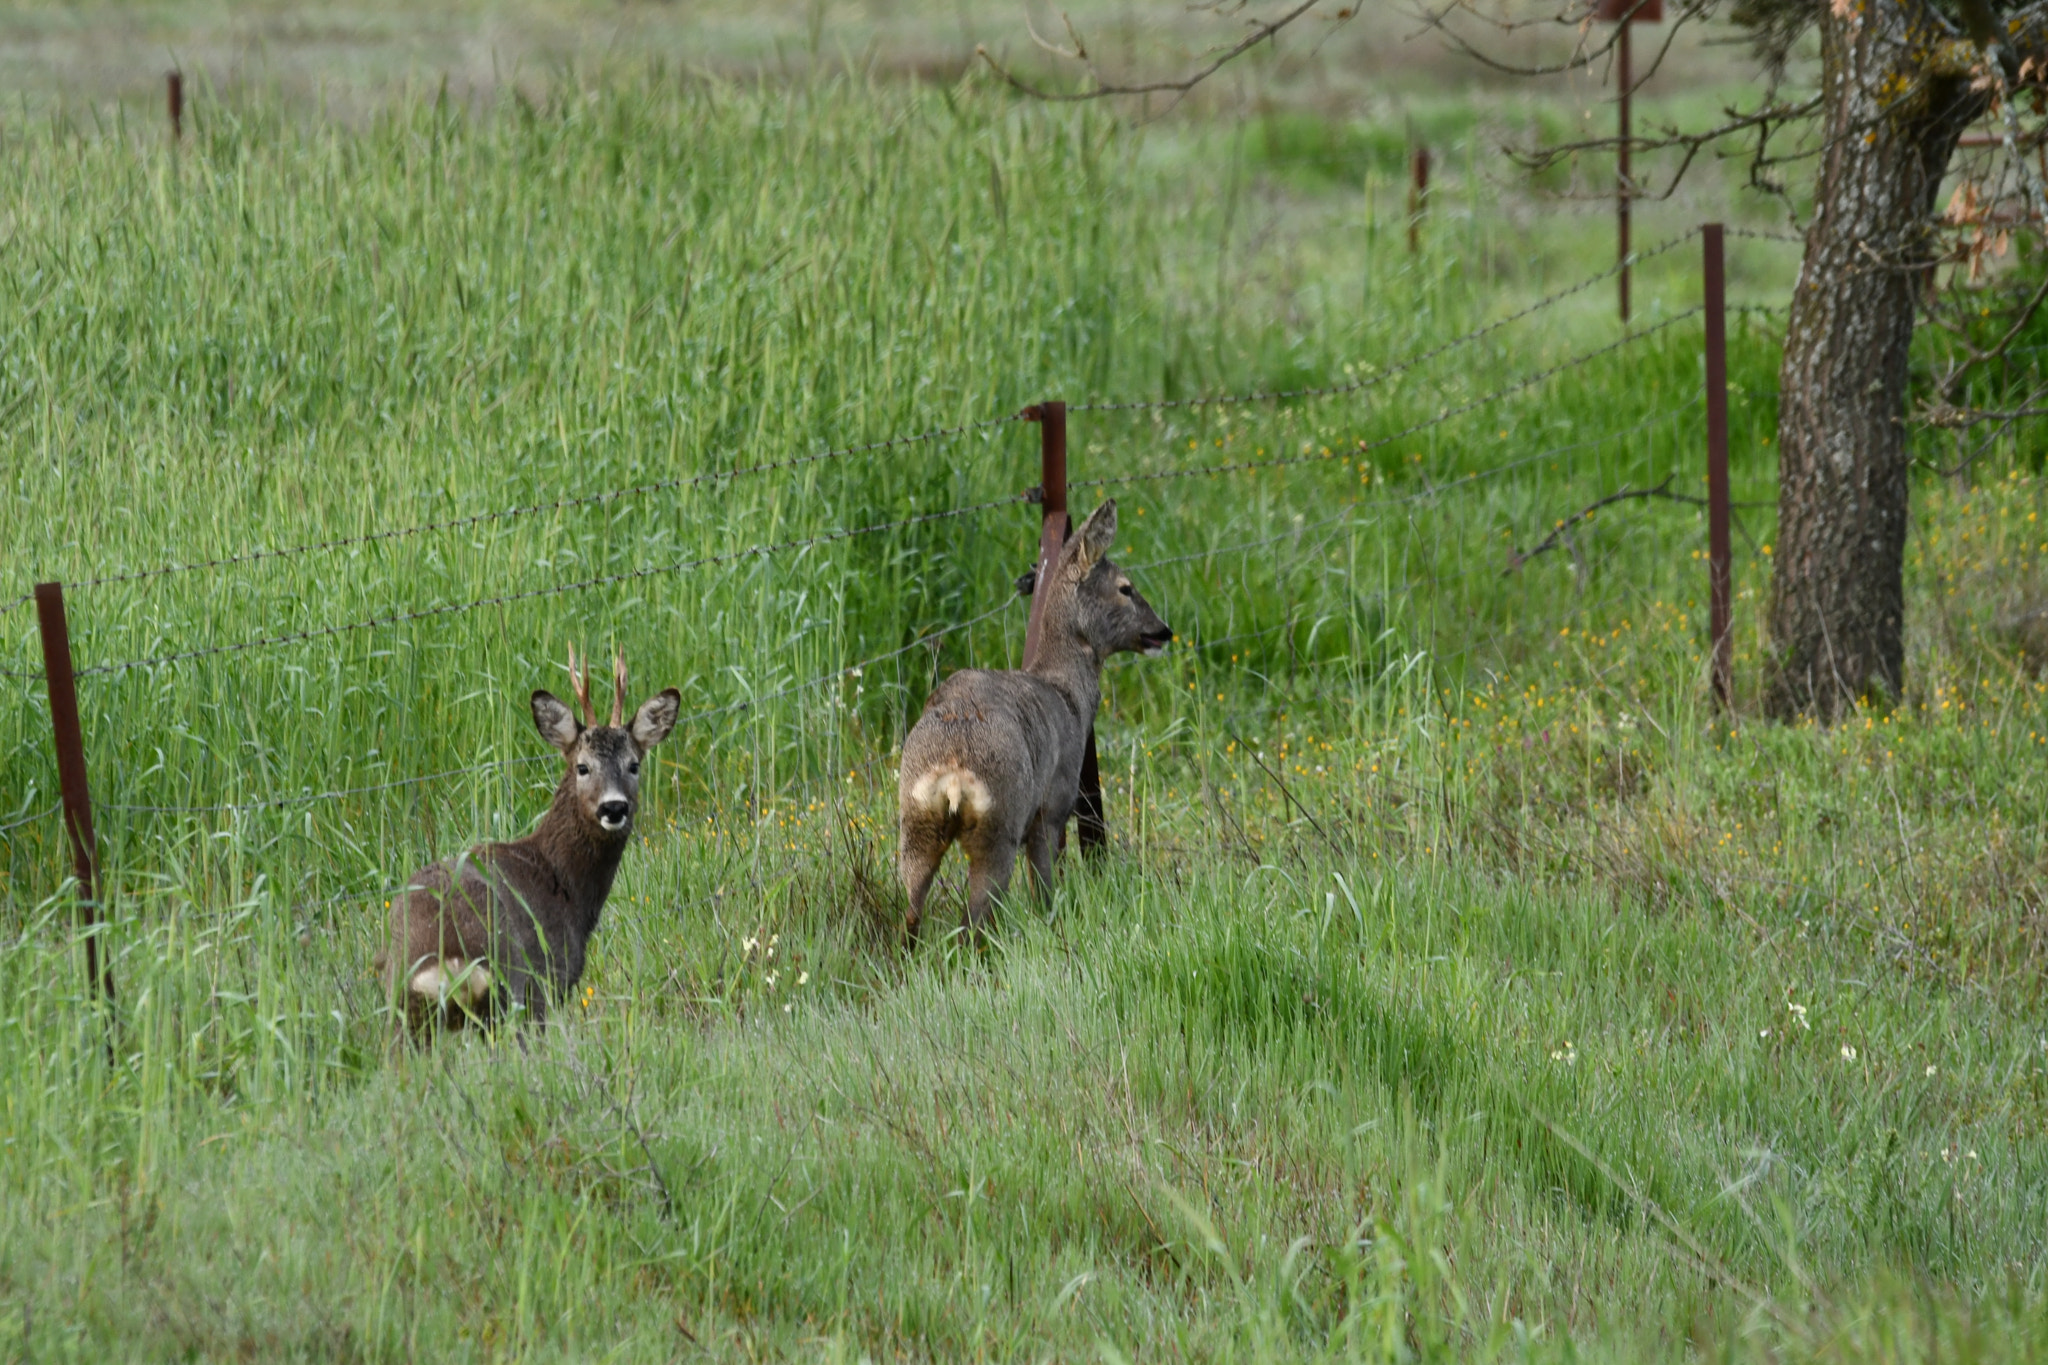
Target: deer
{"x":994,"y":762}
{"x":503,"y":929}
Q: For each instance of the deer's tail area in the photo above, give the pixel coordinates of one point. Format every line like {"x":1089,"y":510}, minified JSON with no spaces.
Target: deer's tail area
{"x":949,"y":795}
{"x":450,"y":979}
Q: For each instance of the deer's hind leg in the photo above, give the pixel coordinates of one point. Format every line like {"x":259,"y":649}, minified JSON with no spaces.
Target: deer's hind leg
{"x":1038,"y":849}
{"x":917,"y":863}
{"x":991,"y":857}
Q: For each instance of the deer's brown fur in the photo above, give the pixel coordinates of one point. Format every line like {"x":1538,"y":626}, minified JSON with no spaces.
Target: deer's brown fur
{"x":994,"y":763}
{"x":504,"y":927}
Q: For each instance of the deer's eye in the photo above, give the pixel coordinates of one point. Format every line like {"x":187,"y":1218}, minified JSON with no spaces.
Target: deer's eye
{"x":582,"y":770}
{"x":633,"y":768}
{"x":1126,"y":590}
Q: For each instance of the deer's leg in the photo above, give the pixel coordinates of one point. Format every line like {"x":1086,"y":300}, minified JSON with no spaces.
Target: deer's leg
{"x":533,"y":1002}
{"x":520,"y":995}
{"x":1038,"y":848}
{"x":988,"y":880}
{"x":917,"y":863}
{"x":411,"y":1019}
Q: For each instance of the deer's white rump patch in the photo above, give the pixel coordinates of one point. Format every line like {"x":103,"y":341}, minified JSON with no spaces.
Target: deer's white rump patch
{"x":452,"y":979}
{"x":950,"y":789}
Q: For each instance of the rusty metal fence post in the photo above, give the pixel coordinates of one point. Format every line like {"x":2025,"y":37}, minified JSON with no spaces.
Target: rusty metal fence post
{"x":1626,"y":13}
{"x":71,"y":785}
{"x":1052,"y":508}
{"x":1054,"y":527}
{"x":1719,"y":566}
{"x":1418,"y":196}
{"x":1621,"y":166}
{"x":174,"y":99}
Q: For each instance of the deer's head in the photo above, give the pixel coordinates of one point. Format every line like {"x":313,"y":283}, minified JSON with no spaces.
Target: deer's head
{"x":1109,"y":611}
{"x":604,"y":760}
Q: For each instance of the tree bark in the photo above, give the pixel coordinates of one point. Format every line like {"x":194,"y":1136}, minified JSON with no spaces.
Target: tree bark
{"x":1838,"y":587}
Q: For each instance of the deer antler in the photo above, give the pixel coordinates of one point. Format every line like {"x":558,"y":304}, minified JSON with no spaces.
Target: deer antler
{"x":579,"y":680}
{"x":618,"y":685}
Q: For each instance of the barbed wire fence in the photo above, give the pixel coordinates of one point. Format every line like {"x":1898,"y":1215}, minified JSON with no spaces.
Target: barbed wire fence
{"x":1312,"y":539}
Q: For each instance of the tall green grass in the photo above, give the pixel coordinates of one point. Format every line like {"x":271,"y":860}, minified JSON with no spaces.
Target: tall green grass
{"x":1460,"y":986}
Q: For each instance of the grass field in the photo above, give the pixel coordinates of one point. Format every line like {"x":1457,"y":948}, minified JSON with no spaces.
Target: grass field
{"x":1460,"y":985}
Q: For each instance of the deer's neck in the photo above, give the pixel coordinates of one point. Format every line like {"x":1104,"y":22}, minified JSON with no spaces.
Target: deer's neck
{"x":1071,"y":665}
{"x":584,"y":857}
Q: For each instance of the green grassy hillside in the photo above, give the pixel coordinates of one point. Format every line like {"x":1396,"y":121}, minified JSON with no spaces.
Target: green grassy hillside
{"x":1460,"y":985}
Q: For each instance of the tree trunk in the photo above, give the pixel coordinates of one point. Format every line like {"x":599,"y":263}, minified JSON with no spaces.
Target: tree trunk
{"x":1838,"y":587}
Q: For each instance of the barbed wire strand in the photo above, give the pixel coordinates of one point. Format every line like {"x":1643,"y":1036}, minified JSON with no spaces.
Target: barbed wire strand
{"x":1349,"y":509}
{"x":554,"y":590}
{"x":1399,"y":367}
{"x":530,"y":509}
{"x":935,"y":434}
{"x":1448,"y":414}
{"x":1463,"y":481}
{"x":1407,"y":588}
{"x":45,"y":812}
{"x":697,"y":718}
{"x":930,"y":637}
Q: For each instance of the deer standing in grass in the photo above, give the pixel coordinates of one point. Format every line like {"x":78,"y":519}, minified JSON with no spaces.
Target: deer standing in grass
{"x":994,"y":763}
{"x":504,"y":927}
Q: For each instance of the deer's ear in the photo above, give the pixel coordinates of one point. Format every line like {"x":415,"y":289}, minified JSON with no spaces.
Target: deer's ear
{"x":1096,"y":535}
{"x":656,"y":717}
{"x":556,"y":722}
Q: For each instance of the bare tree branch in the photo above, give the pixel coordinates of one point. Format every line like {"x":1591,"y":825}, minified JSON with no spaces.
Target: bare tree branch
{"x":1560,"y":533}
{"x":1948,"y":416}
{"x":1766,"y":120}
{"x":1952,"y":381}
{"x":1583,"y":56}
{"x":1263,"y":30}
{"x":1961,"y":419}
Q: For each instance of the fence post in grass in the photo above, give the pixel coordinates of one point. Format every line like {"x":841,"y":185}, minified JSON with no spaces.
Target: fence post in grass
{"x":174,"y":93}
{"x":1418,"y":196}
{"x":71,"y":787}
{"x":1627,"y":13}
{"x":1053,"y":528}
{"x":1719,"y":570}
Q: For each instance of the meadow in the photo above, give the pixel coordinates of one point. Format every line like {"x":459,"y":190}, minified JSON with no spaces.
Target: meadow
{"x":1460,"y":983}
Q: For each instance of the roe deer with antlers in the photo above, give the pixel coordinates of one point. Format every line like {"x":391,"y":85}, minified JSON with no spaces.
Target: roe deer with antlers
{"x":994,"y":763}
{"x":503,"y":927}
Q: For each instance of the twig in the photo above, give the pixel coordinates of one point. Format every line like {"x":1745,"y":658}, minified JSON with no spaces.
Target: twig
{"x":1765,"y":120}
{"x":1580,"y":59}
{"x":1281,"y":782}
{"x":1946,"y":415}
{"x":1262,"y":30}
{"x":1706,"y":1260}
{"x":1560,"y":534}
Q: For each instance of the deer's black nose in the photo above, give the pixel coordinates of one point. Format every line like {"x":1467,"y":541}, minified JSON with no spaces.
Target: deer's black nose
{"x":614,"y":812}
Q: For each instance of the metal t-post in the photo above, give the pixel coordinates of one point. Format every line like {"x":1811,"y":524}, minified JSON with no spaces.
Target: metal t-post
{"x":1719,"y":561}
{"x":1621,"y":167}
{"x":71,"y":787}
{"x":1627,"y":13}
{"x":1418,"y":196}
{"x":1054,"y":528}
